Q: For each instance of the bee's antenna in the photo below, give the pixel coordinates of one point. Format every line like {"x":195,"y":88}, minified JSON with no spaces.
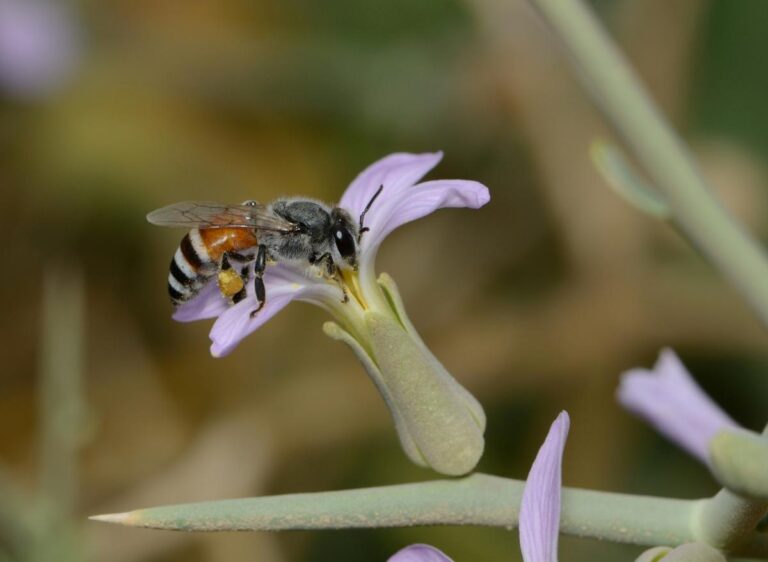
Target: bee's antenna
{"x":368,"y":206}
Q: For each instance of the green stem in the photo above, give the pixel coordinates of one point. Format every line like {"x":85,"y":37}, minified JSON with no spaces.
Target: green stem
{"x":625,"y":518}
{"x":623,"y":99}
{"x":479,"y":499}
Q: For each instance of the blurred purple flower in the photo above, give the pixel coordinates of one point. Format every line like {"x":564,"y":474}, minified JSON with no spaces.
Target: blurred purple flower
{"x":419,"y":553}
{"x":671,"y":401}
{"x":402,"y":200}
{"x":38,"y":46}
{"x":539,"y":519}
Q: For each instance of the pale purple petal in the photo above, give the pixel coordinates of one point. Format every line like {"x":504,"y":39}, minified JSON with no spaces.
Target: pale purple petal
{"x":395,"y":172}
{"x":417,"y":202}
{"x":539,"y":520}
{"x":419,"y":553}
{"x":208,"y":303}
{"x":282,"y":285}
{"x":237,"y":323}
{"x":669,"y":399}
{"x":312,"y":286}
{"x":38,"y":45}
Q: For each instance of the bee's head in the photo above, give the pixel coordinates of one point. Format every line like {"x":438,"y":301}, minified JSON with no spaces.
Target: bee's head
{"x":344,"y":236}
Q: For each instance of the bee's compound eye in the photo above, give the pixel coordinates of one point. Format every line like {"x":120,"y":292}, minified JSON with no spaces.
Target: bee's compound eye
{"x":250,"y":203}
{"x":345,"y":242}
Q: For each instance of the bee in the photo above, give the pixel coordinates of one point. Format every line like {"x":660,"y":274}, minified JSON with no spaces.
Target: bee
{"x":225,"y":240}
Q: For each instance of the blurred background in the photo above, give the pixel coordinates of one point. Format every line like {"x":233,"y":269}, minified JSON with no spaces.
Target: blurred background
{"x":535,"y":303}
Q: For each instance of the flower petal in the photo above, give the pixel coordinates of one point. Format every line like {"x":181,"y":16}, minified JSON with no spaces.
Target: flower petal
{"x":283,"y":285}
{"x":411,"y":204}
{"x":395,"y":172}
{"x":237,"y":322}
{"x":669,"y":399}
{"x":420,"y":201}
{"x":419,"y":553}
{"x":208,"y":303}
{"x":540,"y":507}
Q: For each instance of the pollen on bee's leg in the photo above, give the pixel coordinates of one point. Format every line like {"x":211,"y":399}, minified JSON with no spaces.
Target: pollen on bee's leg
{"x":230,"y":283}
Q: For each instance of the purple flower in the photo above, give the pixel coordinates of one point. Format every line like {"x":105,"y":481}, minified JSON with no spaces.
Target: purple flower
{"x":402,"y":200}
{"x":419,"y":553}
{"x":671,"y":401}
{"x":539,"y":520}
{"x":439,"y":423}
{"x":38,"y":46}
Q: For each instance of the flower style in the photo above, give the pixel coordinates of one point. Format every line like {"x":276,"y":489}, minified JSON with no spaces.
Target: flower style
{"x":671,"y":401}
{"x":539,"y":519}
{"x":439,"y":423}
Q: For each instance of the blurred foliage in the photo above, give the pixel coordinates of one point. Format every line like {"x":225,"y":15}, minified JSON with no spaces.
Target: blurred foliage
{"x":730,"y":87}
{"x":535,"y":303}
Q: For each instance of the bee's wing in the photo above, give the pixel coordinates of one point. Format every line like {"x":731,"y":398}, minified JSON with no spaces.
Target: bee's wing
{"x":207,"y":214}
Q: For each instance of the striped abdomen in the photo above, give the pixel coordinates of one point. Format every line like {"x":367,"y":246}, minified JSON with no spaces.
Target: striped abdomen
{"x":198,"y":257}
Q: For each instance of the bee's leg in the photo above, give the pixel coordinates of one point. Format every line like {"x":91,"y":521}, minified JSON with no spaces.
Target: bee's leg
{"x":258,"y":282}
{"x":225,"y":265}
{"x":345,"y":298}
{"x":228,"y":257}
{"x":330,"y":267}
{"x":333,"y":273}
{"x":242,"y":293}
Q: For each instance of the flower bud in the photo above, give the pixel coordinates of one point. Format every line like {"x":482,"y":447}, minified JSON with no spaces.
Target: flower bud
{"x":440,"y":424}
{"x":738,"y":459}
{"x":689,"y":552}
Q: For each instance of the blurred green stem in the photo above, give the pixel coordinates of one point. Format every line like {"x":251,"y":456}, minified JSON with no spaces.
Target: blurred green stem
{"x":16,"y":510}
{"x":61,"y":410}
{"x":726,"y":519}
{"x":620,"y":95}
{"x":61,"y":385}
